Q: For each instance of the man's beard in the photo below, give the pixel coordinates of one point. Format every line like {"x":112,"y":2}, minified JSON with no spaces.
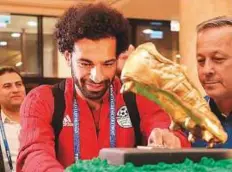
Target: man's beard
{"x":92,"y":95}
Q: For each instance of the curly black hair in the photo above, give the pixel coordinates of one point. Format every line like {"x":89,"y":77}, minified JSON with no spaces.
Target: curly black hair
{"x":93,"y":21}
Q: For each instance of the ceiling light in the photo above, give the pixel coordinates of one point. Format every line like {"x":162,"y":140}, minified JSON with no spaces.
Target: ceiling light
{"x":5,"y":18}
{"x":3,"y":25}
{"x":178,"y":56}
{"x":15,"y":35}
{"x":175,"y":26}
{"x":3,"y":43}
{"x":32,"y":23}
{"x":156,"y":23}
{"x":147,"y":31}
{"x":18,"y":64}
{"x":156,"y":34}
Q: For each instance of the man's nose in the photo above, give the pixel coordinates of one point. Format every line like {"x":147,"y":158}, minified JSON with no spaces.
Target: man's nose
{"x":208,"y":67}
{"x":96,"y":74}
{"x":15,"y":88}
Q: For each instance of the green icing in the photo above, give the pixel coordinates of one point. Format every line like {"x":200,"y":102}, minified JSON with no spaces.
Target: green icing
{"x":205,"y":165}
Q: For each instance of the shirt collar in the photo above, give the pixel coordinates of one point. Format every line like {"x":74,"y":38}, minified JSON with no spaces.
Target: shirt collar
{"x":226,"y":116}
{"x":214,"y":108}
{"x":4,"y":117}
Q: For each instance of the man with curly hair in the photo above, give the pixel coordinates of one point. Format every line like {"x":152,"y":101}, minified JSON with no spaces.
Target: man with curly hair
{"x":91,"y":37}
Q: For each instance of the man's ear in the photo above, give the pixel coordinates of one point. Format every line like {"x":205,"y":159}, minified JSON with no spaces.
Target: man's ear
{"x":68,"y":57}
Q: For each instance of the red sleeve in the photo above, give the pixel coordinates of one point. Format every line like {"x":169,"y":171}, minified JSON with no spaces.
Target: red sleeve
{"x":152,"y":116}
{"x":36,"y":137}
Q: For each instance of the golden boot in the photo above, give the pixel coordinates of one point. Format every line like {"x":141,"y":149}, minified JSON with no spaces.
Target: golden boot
{"x":148,"y":73}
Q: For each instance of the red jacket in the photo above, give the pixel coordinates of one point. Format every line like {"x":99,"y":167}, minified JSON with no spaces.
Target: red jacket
{"x":37,"y":138}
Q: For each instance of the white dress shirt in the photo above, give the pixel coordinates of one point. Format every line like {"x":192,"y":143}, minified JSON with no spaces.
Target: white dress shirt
{"x":12,"y":132}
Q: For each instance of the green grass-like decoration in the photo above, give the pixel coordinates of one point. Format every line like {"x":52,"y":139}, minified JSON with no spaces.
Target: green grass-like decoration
{"x":205,"y":165}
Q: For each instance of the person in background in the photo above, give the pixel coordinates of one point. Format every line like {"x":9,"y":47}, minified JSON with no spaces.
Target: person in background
{"x":12,"y":93}
{"x":91,"y":37}
{"x":214,"y":64}
{"x":122,"y":59}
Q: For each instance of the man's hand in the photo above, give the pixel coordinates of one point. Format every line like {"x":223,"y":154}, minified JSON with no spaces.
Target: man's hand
{"x":163,"y":138}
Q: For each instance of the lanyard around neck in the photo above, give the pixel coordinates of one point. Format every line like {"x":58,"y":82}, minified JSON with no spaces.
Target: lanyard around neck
{"x":76,"y":123}
{"x":6,"y":145}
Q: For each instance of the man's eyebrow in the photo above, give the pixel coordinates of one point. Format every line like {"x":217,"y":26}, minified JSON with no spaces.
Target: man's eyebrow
{"x":19,"y":82}
{"x":199,"y":55}
{"x":89,"y":61}
{"x":16,"y":82}
{"x":7,"y":83}
{"x":85,"y":60}
{"x":218,"y":52}
{"x":109,"y":61}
